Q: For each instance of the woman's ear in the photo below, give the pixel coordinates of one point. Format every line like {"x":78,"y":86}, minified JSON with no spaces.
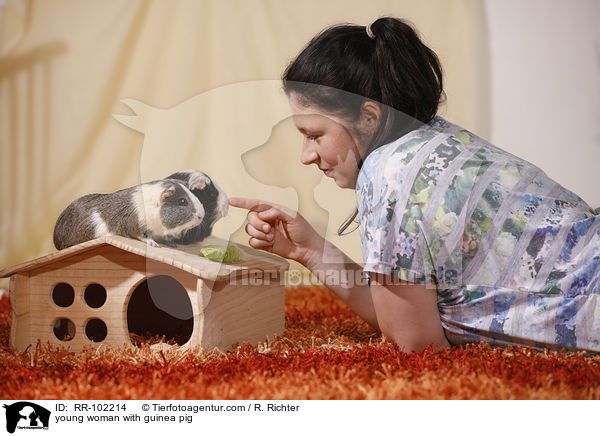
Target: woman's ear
{"x":370,"y":115}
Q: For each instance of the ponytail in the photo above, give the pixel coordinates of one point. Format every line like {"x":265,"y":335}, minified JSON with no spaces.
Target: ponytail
{"x":408,"y":72}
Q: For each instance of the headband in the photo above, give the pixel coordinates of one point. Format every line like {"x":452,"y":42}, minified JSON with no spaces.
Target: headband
{"x":370,"y":32}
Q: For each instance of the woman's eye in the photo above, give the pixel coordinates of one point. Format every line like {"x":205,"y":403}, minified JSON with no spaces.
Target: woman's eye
{"x":311,"y":137}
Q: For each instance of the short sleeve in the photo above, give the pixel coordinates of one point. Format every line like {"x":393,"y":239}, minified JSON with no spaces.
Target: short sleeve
{"x":393,"y":241}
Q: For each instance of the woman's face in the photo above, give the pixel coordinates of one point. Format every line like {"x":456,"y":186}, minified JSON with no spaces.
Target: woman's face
{"x":328,"y":143}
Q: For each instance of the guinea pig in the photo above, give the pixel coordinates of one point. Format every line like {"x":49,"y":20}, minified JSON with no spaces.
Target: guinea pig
{"x":179,"y":209}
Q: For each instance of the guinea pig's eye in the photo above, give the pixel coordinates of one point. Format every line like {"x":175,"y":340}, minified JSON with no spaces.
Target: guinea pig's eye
{"x":182,"y":202}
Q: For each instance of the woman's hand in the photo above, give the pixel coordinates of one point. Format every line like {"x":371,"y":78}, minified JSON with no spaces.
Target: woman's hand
{"x":280,"y":230}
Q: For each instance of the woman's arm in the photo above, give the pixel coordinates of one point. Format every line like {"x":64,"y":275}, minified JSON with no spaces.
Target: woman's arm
{"x":344,"y":277}
{"x":406,"y":313}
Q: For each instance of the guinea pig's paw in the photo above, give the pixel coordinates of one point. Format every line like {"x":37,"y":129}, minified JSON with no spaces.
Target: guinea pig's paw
{"x":198,"y":181}
{"x":151,"y":242}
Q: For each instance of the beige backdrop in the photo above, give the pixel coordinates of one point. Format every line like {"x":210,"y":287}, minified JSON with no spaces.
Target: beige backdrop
{"x":98,"y":95}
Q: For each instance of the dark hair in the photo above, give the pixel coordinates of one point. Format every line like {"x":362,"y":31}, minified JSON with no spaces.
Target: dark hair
{"x":394,"y":68}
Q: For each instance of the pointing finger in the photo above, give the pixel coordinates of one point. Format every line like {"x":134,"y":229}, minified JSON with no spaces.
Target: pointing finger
{"x":249,"y":203}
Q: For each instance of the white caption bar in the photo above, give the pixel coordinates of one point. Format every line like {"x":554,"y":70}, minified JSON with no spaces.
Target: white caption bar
{"x":282,"y":417}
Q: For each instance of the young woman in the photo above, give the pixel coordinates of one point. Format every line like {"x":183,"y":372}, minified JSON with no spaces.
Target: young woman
{"x":461,"y":241}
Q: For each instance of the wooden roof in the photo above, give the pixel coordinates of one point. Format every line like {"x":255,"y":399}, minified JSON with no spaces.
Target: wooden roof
{"x":185,"y":257}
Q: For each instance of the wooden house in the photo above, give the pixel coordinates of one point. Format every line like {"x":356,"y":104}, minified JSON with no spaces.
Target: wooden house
{"x":113,"y":289}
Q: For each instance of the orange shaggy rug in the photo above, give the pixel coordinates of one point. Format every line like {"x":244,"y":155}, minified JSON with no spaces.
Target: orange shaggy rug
{"x":326,"y":352}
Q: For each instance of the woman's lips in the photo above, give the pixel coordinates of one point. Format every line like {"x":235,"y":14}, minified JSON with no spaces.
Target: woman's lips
{"x":328,"y":172}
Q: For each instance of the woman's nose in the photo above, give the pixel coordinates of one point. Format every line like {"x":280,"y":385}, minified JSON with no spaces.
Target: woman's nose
{"x":308,"y":155}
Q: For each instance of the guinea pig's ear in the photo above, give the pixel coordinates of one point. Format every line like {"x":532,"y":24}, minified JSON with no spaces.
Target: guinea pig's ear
{"x":198,"y":181}
{"x":169,"y":191}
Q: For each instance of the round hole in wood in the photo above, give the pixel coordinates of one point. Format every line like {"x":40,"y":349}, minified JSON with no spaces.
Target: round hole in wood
{"x":160,"y":310}
{"x":64,"y":329}
{"x":96,"y":330}
{"x":94,"y":295}
{"x":63,"y":295}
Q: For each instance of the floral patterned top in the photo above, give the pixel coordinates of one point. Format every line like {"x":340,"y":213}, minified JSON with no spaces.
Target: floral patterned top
{"x":514,"y":256}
